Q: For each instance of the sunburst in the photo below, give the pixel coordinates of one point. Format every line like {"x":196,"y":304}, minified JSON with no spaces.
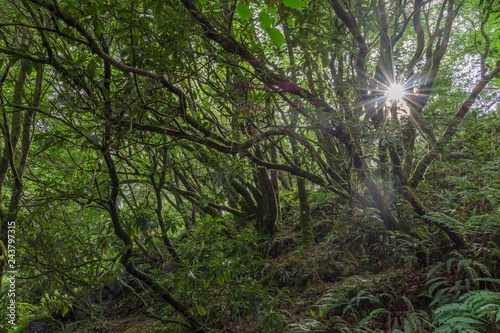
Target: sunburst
{"x":395,"y":92}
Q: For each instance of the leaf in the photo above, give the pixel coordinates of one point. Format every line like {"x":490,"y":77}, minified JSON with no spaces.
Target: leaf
{"x":294,"y":3}
{"x":243,"y":11}
{"x":276,"y":36}
{"x":374,"y":314}
{"x":201,"y":310}
{"x":98,"y":26}
{"x":433,"y":270}
{"x":64,"y":310}
{"x":486,"y":279}
{"x":466,"y":320}
{"x":28,"y":66}
{"x":449,"y":262}
{"x":265,"y":20}
{"x":227,"y":275}
{"x":408,"y":325}
{"x":203,"y":1}
{"x":443,"y":329}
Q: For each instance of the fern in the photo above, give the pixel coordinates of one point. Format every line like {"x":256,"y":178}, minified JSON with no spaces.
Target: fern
{"x":373,"y":315}
{"x":475,"y":311}
{"x":459,"y":306}
{"x":461,"y":276}
{"x":306,"y":326}
{"x":443,"y":219}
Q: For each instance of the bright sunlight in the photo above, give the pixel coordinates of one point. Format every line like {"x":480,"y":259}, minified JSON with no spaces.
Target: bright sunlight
{"x":395,"y":92}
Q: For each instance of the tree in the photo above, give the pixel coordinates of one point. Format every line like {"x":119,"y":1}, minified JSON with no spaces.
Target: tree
{"x":205,"y":104}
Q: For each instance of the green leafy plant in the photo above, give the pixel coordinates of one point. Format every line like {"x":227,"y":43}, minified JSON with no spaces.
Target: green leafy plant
{"x":413,"y":321}
{"x":340,"y":309}
{"x":57,"y":304}
{"x":476,"y":311}
{"x":459,"y":301}
{"x":307,"y":326}
{"x":462,"y":275}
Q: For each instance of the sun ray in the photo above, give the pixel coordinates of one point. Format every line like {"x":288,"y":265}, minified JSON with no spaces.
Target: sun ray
{"x":396,"y":92}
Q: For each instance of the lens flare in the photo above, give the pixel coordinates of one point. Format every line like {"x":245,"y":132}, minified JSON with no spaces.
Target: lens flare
{"x":396,"y":92}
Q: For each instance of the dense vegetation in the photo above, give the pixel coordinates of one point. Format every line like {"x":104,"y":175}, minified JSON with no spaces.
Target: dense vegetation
{"x":250,"y":166}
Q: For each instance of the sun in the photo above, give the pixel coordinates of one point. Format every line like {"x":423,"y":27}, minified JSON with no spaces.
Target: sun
{"x":395,"y":92}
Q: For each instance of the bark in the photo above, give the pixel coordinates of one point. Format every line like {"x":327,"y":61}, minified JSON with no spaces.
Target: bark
{"x":305,"y":214}
{"x":159,"y":209}
{"x":267,"y":208}
{"x":11,"y":138}
{"x":274,"y":182}
{"x":305,"y":210}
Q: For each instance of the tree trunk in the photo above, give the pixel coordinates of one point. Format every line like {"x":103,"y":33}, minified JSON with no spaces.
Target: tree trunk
{"x":267,"y":214}
{"x":21,"y":129}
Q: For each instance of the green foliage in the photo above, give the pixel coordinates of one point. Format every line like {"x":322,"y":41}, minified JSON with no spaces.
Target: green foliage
{"x":307,"y":326}
{"x":276,"y":36}
{"x":459,"y":304}
{"x":355,"y":306}
{"x":243,"y":11}
{"x":475,"y":311}
{"x":352,"y":309}
{"x":463,"y":276}
{"x":294,"y":3}
{"x":225,"y":267}
{"x":142,"y":140}
{"x":57,"y":304}
{"x":265,"y":20}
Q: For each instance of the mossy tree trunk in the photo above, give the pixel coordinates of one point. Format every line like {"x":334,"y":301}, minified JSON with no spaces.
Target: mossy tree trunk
{"x":305,"y":214}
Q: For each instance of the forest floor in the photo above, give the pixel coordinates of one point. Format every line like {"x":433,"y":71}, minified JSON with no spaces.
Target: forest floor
{"x":310,"y":276}
{"x":338,"y":281}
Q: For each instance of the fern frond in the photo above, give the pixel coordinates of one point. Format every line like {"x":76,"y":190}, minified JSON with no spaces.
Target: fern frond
{"x":443,"y":313}
{"x":374,"y":314}
{"x":434,"y":269}
{"x":439,"y":281}
{"x":488,"y":279}
{"x":307,"y":326}
{"x":483,"y":268}
{"x":474,"y":312}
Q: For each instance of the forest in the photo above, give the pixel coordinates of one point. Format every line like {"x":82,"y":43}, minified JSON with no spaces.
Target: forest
{"x":250,"y":166}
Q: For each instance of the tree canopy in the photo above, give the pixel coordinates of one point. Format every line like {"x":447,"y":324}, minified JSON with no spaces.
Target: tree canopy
{"x":167,"y":144}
